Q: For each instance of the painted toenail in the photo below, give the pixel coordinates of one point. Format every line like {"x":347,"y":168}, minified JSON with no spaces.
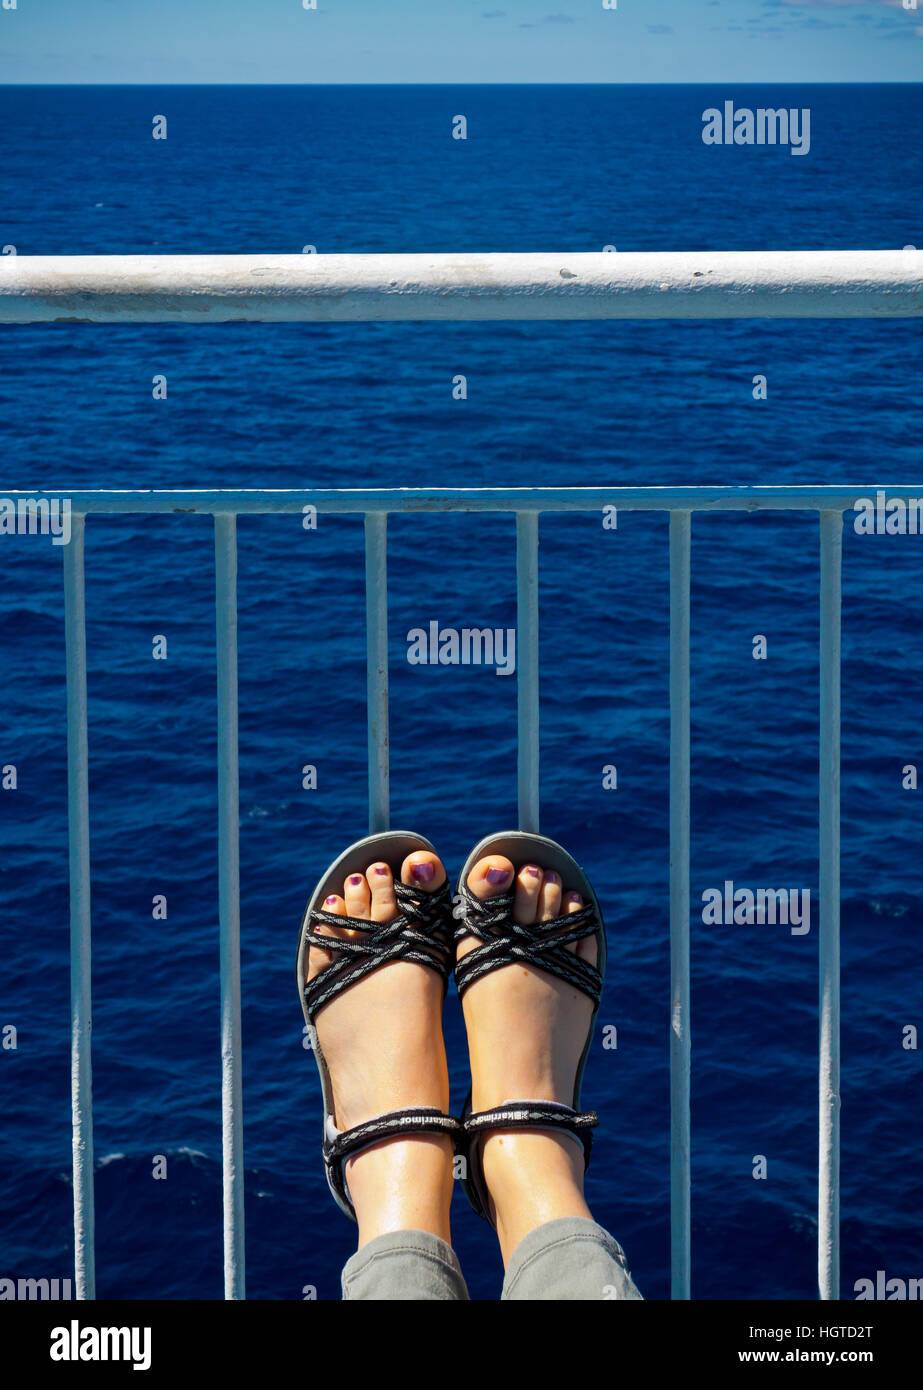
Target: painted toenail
{"x":496,"y":875}
{"x":423,"y":873}
{"x":535,"y":873}
{"x":355,"y":879}
{"x":381,"y":869}
{"x":332,"y":899}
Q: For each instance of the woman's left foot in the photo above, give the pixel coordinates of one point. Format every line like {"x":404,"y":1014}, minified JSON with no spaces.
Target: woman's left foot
{"x":526,"y":1034}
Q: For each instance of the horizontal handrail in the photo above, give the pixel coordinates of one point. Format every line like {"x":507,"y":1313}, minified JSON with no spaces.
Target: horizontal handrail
{"x":452,"y":287}
{"x":212,"y":501}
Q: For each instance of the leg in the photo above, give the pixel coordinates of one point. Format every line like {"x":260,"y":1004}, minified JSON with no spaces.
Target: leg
{"x":526,"y":1031}
{"x":570,"y":1259}
{"x":382,"y":1041}
{"x":406,"y":1266}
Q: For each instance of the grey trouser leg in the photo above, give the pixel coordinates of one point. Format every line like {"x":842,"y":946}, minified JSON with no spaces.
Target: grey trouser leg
{"x":412,"y":1266}
{"x":570,"y":1260}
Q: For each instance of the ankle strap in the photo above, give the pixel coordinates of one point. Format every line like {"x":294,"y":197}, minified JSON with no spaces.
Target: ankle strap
{"x":339,"y":1145}
{"x":536,"y":1114}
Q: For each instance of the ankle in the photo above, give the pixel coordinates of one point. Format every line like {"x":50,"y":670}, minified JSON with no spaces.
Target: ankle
{"x":532,"y":1178}
{"x":402,"y":1185}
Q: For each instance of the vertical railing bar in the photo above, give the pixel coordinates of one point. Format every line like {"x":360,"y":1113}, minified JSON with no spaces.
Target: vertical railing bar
{"x":680,"y":1198}
{"x":232,"y":1138}
{"x":78,"y":831}
{"x":376,"y":638}
{"x":528,"y":784}
{"x":828,"y":1164}
{"x":527,"y":658}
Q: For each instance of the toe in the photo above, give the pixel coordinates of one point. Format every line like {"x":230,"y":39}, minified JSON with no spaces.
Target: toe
{"x":586,"y":948}
{"x":357,"y":896}
{"x":549,"y":898}
{"x":528,"y":888}
{"x":318,"y":958}
{"x":423,"y":869}
{"x":573,"y":903}
{"x":488,"y":879}
{"x":491,"y":876}
{"x":380,"y":881}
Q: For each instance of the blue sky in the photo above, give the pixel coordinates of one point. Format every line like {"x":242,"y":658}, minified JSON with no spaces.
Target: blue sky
{"x":460,"y":41}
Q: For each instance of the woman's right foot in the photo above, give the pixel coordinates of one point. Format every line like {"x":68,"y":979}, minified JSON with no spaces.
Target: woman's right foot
{"x":526,"y":1034}
{"x":383,"y":1045}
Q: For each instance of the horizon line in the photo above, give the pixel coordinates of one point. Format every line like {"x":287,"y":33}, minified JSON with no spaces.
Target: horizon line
{"x":701,"y":82}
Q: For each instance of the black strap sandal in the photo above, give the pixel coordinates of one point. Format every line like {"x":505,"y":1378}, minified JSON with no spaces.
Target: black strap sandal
{"x":540,"y":944}
{"x":421,"y":932}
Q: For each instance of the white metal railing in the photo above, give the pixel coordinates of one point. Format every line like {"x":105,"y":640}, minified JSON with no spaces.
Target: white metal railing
{"x":527,"y":504}
{"x":212,"y":289}
{"x":498,"y":285}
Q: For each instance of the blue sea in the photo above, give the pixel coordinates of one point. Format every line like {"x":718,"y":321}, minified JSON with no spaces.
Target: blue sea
{"x":375,"y":169}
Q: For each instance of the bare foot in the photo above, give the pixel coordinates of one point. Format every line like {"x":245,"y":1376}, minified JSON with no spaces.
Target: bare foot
{"x":382,"y":1041}
{"x":526,"y":1033}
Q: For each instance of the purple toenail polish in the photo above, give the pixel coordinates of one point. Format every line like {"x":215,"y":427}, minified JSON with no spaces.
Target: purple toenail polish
{"x":496,"y":875}
{"x":355,"y":879}
{"x":423,"y":873}
{"x":331,"y":900}
{"x":533,"y":872}
{"x":381,"y":869}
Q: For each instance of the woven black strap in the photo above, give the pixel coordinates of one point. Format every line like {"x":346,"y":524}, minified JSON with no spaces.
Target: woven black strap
{"x":505,"y":942}
{"x":420,"y":932}
{"x":421,"y":1120}
{"x":536,"y":1114}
